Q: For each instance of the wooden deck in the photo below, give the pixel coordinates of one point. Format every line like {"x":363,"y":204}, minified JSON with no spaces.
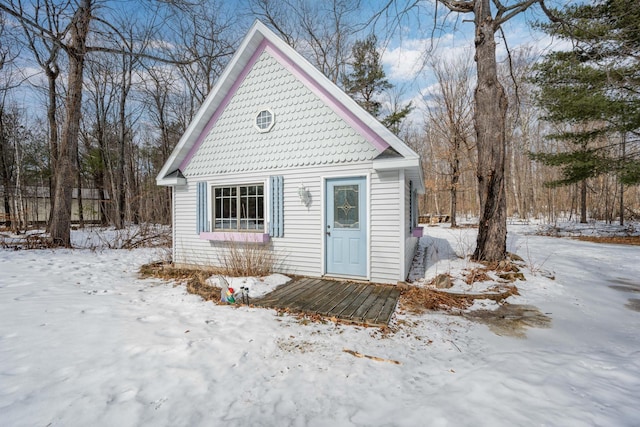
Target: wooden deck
{"x":363,"y":303}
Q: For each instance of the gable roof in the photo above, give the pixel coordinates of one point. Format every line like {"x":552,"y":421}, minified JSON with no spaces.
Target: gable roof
{"x":306,"y":132}
{"x":260,"y":39}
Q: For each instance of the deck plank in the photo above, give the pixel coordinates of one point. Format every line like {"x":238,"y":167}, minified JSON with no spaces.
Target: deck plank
{"x":389,"y":307}
{"x":330,"y":288}
{"x":289,"y":293}
{"x":376,"y":307}
{"x":349,"y":300}
{"x":348,"y":312}
{"x":283,"y":290}
{"x":326,"y":309}
{"x":320,"y":292}
{"x":363,"y":308}
{"x":363,"y":303}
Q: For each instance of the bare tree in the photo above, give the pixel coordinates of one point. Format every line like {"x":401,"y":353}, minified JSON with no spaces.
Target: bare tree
{"x":128,"y":62}
{"x":324,"y":32}
{"x":7,"y":163}
{"x":450,"y":111}
{"x":67,"y":151}
{"x":44,"y":42}
{"x":160,"y":94}
{"x":205,"y":35}
{"x":7,"y":160}
{"x":490,"y":112}
{"x":521,"y":129}
{"x":98,"y":133}
{"x":81,"y":16}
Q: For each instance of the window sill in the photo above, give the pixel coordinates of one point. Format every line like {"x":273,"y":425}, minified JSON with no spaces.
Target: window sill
{"x":231,"y":236}
{"x":417,"y":232}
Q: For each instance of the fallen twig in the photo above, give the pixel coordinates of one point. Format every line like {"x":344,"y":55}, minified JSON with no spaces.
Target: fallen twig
{"x":377,"y":359}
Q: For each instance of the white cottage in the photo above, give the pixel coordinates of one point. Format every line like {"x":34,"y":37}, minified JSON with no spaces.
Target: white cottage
{"x":279,"y":156}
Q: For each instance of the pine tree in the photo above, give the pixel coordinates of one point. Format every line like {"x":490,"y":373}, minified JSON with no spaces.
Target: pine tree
{"x":595,"y":89}
{"x":367,"y":81}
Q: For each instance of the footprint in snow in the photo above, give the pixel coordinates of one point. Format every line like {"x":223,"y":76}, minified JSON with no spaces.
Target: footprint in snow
{"x":97,"y":292}
{"x":158,"y":403}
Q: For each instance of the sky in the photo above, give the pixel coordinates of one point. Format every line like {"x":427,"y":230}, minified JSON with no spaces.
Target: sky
{"x":405,"y":54}
{"x":415,"y":45}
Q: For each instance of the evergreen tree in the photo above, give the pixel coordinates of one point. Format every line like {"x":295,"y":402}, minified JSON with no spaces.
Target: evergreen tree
{"x":595,"y":89}
{"x":367,"y":81}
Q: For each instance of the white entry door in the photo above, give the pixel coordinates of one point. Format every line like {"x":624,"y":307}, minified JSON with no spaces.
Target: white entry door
{"x":346,"y":227}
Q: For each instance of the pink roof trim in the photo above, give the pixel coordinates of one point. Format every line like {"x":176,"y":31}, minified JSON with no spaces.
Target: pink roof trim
{"x":225,"y":101}
{"x":378,"y":142}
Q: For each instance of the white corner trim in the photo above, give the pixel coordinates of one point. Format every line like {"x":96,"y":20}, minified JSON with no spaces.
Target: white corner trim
{"x":403,"y":224}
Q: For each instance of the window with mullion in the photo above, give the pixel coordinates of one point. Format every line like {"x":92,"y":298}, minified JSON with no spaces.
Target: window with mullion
{"x":239,"y":208}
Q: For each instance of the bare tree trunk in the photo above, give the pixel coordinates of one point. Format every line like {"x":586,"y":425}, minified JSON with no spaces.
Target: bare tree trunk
{"x":52,"y":75}
{"x":490,"y":116}
{"x":583,"y":201}
{"x":5,"y":171}
{"x":436,"y":205}
{"x":623,"y":157}
{"x":122,"y":136}
{"x":608,"y":202}
{"x":514,"y":183}
{"x":573,"y":196}
{"x":7,"y":206}
{"x":134,"y":185}
{"x":18,"y":202}
{"x":79,"y":185}
{"x":455,"y":178}
{"x":65,"y":173}
{"x":120,"y":181}
{"x":99,"y":178}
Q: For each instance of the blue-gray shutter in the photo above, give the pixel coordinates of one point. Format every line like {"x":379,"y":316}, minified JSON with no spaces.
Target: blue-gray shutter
{"x":276,"y":206}
{"x":201,"y":208}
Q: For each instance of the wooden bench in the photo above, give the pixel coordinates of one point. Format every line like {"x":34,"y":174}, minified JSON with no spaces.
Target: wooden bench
{"x":433,"y":219}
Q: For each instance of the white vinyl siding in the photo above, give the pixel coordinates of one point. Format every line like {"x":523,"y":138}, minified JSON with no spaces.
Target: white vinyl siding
{"x":385,"y":227}
{"x":301,"y":250}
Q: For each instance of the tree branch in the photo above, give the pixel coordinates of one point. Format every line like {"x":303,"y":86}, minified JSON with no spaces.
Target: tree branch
{"x":461,"y":6}
{"x":509,"y":12}
{"x":56,"y":39}
{"x":552,"y":17}
{"x":25,"y":20}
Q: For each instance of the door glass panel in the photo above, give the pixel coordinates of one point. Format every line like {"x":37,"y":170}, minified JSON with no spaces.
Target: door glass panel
{"x":345,"y":206}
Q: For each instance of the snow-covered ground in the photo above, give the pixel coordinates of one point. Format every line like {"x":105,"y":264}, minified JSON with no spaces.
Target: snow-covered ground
{"x":83,"y":341}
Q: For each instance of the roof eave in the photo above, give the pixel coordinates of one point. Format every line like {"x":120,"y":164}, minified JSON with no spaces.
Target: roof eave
{"x":212,"y":101}
{"x":395,"y":163}
{"x":412,"y":165}
{"x":171,"y":182}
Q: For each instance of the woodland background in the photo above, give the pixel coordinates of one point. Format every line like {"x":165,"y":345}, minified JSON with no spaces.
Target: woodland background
{"x":149,"y":65}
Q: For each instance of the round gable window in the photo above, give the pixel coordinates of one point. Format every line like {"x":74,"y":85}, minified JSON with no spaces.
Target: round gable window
{"x":264,"y":120}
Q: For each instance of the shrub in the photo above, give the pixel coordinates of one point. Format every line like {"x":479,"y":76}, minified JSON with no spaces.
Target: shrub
{"x":241,"y":259}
